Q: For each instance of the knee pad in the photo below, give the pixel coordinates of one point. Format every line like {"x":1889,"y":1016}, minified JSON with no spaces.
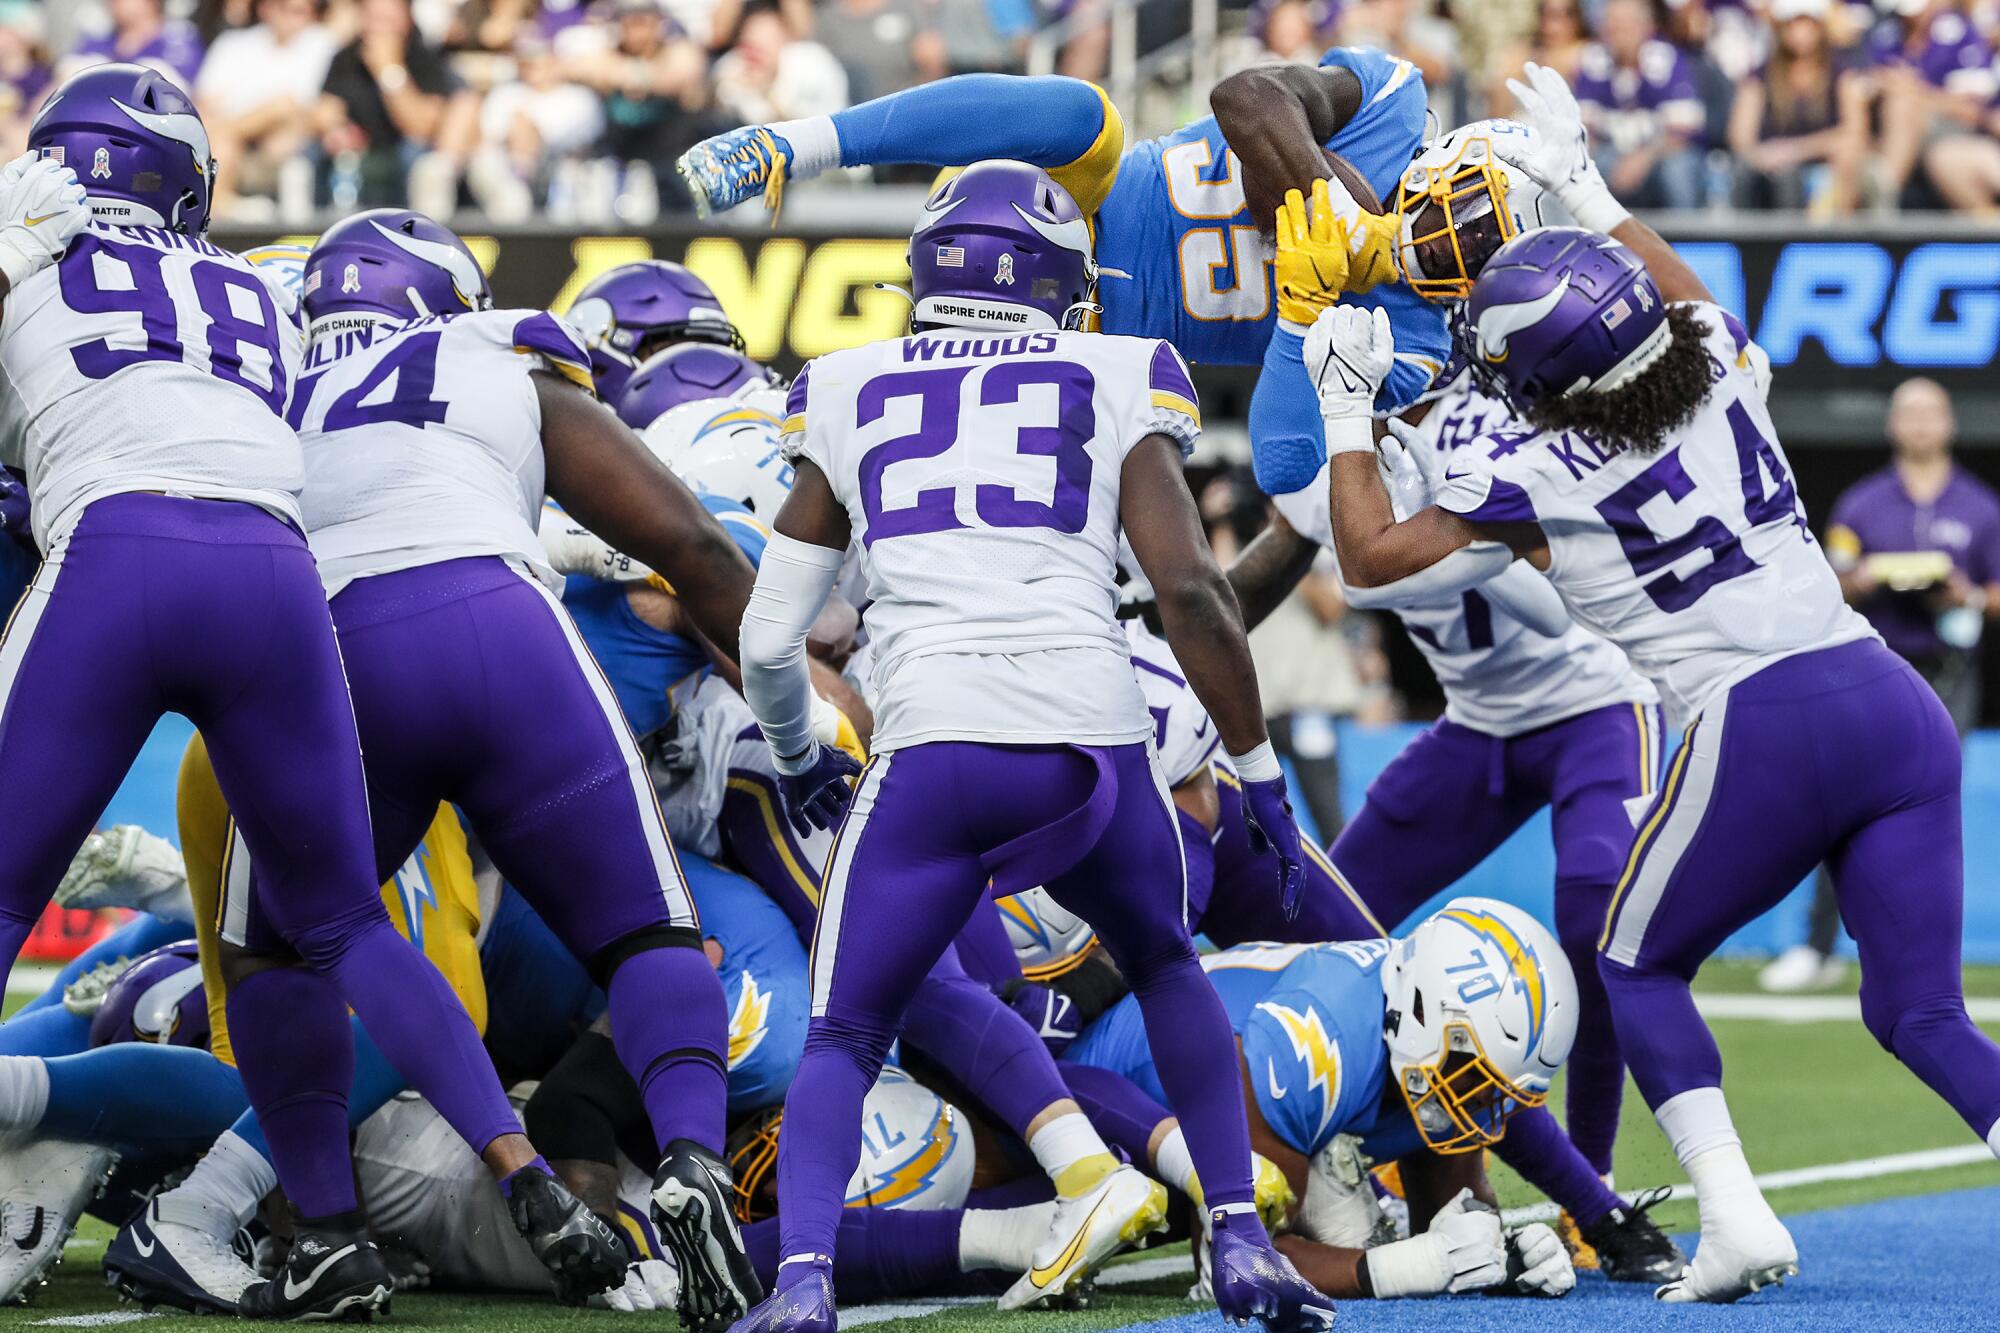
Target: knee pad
{"x":1893,"y":1023}
{"x":612,"y":956}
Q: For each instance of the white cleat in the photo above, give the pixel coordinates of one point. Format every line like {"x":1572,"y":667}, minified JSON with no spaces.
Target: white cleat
{"x":1122,"y":1210}
{"x":1729,"y":1264}
{"x":52,"y":1182}
{"x":178,"y":1254}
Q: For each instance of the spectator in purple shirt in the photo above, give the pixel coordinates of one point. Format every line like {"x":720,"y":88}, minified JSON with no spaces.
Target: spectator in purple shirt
{"x":1936,"y":76}
{"x":1644,"y":113}
{"x":142,"y":33}
{"x":1917,"y":548}
{"x":1923,"y":503}
{"x":24,"y":74}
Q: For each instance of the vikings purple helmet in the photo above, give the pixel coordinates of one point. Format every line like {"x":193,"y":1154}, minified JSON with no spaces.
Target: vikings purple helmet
{"x":1562,"y":310}
{"x":1000,"y":245}
{"x":395,"y":263}
{"x":635,"y":310}
{"x":135,"y":141}
{"x":158,"y":999}
{"x":686,"y":373}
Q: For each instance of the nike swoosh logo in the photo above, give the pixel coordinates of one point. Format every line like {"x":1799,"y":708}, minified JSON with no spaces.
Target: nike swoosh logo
{"x":1041,"y":1277}
{"x":294,"y":1290}
{"x":1449,"y":475}
{"x":1202,"y":730}
{"x":144,"y":1246}
{"x":36,"y":222}
{"x":1278,"y":1090}
{"x":34,"y":1236}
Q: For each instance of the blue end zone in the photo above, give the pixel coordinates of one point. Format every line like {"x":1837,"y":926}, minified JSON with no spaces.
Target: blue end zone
{"x":1919,"y":1263}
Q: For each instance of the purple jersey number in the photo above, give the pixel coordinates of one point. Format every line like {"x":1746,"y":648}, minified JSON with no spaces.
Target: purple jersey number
{"x":1649,"y":552}
{"x":228,"y":332}
{"x":1067,"y":441}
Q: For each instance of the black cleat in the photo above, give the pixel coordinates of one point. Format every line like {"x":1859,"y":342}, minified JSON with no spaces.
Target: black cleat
{"x":692,"y":1211}
{"x":573,"y":1243}
{"x":334,"y":1272}
{"x":1630,"y":1245}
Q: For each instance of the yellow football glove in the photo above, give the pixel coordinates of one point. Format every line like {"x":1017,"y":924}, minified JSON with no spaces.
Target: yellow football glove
{"x":1312,"y":262}
{"x":1371,"y":245}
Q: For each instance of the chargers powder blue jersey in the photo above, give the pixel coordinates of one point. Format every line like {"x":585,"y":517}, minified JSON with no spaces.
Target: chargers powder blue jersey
{"x":643,"y":663}
{"x":1183,"y":195}
{"x":1310,"y":1020}
{"x":763,"y":972}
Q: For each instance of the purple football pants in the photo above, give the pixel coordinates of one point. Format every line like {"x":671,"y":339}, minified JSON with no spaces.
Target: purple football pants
{"x":471,"y":685}
{"x":1454,"y":794}
{"x":914,"y":857}
{"x":1842,"y":756}
{"x":955,"y":1019}
{"x":214,"y":610}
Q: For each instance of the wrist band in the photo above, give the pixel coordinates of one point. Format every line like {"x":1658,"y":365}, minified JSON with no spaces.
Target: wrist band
{"x":1349,"y":435}
{"x":1260,"y":765}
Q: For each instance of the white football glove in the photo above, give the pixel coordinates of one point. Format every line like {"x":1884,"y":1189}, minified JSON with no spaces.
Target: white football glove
{"x":125,"y":866}
{"x":1412,"y":473}
{"x":42,"y":207}
{"x":1340,"y":1208}
{"x":1557,"y":156}
{"x":650,"y":1284}
{"x":1349,"y":352}
{"x":575,"y":549}
{"x":1464,"y":1250}
{"x":1538,"y":1263}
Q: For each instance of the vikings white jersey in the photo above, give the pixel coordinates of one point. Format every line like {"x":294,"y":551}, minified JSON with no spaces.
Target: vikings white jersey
{"x":145,"y":360}
{"x":1695,"y":559}
{"x":1499,"y":676}
{"x":981,"y":474}
{"x":1183,"y":734}
{"x":423,"y":440}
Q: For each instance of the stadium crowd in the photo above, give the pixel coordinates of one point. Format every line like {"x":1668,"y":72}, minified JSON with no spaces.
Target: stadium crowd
{"x":576,"y":109}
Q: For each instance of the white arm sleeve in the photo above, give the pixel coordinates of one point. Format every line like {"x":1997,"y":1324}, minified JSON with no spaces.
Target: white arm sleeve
{"x":1467,"y":567}
{"x":793,"y":581}
{"x":1522,"y":592}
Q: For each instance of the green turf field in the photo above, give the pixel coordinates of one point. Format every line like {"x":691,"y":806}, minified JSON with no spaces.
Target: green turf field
{"x":1805,"y":1095}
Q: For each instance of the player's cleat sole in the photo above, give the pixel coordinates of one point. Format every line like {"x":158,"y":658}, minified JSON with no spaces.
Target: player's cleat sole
{"x":1746,"y":1283}
{"x":1730,"y":1264}
{"x":692,"y":1211}
{"x":175,"y":1264}
{"x":569,"y":1240}
{"x":55,"y":1182}
{"x":729,"y":169}
{"x":331,"y":1276}
{"x":1123,"y":1209}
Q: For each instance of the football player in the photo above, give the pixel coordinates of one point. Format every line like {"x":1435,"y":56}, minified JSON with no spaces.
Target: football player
{"x":154,"y":369}
{"x":718,"y":789}
{"x":1468,"y":1017}
{"x":1658,"y":500}
{"x":630,"y":314}
{"x":432,"y":424}
{"x":1001,"y":669}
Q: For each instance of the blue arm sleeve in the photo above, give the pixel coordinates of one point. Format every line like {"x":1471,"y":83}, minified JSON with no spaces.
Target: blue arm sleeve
{"x":1287,"y":442}
{"x":968,"y":118}
{"x":152,"y":1101}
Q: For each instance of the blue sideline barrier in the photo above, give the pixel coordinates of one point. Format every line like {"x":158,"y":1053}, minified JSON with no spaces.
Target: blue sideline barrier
{"x":1521,"y":871}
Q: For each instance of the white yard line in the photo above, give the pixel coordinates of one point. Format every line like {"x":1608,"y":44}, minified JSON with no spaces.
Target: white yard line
{"x":1811,"y":1008}
{"x":856,"y":1316}
{"x":98,"y":1320}
{"x":1866,"y":1168}
{"x":1179,"y":1264}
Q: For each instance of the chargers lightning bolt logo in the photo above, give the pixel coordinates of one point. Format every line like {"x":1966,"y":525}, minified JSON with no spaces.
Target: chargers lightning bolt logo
{"x":414,"y":889}
{"x":747,"y":1023}
{"x":1315,"y":1050}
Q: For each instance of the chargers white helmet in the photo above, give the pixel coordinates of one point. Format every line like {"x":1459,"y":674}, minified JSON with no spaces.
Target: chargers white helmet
{"x":916,"y":1148}
{"x":916,"y":1152}
{"x":725,"y":447}
{"x":1047,"y":937}
{"x":1482,"y":1010}
{"x":1459,"y":202}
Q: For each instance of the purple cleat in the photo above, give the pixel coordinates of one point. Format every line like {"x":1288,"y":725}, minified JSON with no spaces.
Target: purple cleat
{"x":1253,"y":1280}
{"x":806,"y":1306}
